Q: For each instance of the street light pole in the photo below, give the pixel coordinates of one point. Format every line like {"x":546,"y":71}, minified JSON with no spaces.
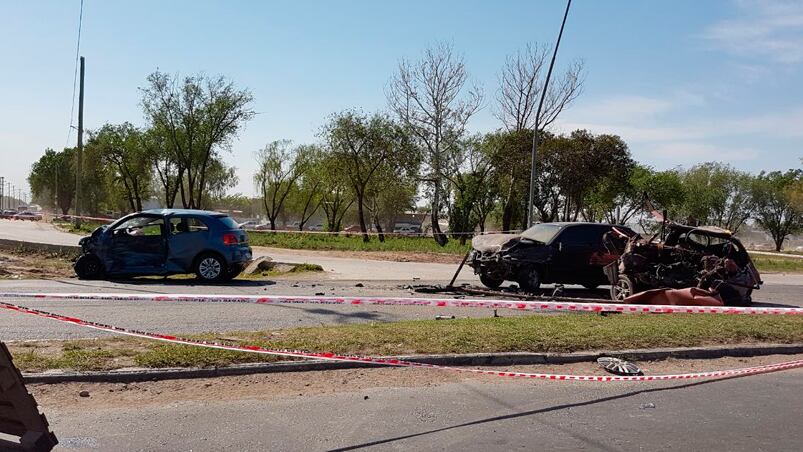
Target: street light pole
{"x":538,"y":117}
{"x":80,"y":164}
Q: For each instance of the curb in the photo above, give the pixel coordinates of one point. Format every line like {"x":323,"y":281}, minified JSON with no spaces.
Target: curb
{"x":473,"y":359}
{"x":61,"y":250}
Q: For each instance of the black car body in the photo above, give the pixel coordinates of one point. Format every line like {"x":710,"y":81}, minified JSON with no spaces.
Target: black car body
{"x":706,"y":257}
{"x":565,"y":253}
{"x":165,"y":242}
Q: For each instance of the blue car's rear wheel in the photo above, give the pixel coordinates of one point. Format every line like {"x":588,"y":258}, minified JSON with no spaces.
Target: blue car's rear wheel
{"x":211,"y":268}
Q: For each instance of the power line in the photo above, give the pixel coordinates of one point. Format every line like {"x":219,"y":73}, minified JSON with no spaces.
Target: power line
{"x":75,"y":73}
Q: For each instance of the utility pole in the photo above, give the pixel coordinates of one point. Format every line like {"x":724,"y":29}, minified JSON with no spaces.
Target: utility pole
{"x":537,"y":117}
{"x":2,"y":192}
{"x":80,"y":163}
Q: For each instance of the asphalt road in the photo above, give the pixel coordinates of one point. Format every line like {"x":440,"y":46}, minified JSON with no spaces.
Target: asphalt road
{"x":192,"y":317}
{"x":742,"y":414}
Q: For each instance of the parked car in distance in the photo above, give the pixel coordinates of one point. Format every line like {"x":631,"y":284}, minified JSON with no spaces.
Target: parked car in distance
{"x":565,"y":253}
{"x":407,"y":229}
{"x":27,"y":215}
{"x":7,"y":213}
{"x":250,"y":224}
{"x":165,"y":242}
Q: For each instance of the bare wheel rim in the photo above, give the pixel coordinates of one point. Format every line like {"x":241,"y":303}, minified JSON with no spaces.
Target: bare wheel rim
{"x":622,"y":289}
{"x":209,"y":268}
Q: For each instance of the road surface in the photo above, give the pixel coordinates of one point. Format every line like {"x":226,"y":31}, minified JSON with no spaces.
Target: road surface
{"x":192,"y":317}
{"x":407,"y":409}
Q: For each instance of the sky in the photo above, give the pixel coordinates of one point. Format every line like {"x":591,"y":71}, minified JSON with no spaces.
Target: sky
{"x":680,"y":81}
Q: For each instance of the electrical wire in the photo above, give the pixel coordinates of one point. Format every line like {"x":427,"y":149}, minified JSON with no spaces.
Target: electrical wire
{"x":75,"y":73}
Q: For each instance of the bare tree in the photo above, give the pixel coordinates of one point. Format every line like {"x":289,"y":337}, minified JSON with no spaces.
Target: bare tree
{"x":429,"y":98}
{"x":521,"y":83}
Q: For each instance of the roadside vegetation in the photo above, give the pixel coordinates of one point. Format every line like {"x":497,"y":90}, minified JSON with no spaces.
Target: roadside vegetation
{"x":538,"y":333}
{"x":375,"y":169}
{"x":353,"y":242}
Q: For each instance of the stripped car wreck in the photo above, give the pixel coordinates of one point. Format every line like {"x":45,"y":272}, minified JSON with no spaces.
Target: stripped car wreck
{"x":691,"y":265}
{"x":563,"y":253}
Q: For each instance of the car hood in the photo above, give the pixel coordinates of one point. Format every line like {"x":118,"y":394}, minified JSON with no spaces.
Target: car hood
{"x":492,"y":242}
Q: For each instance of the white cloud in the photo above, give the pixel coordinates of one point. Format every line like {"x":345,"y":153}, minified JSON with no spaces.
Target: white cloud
{"x":763,"y":29}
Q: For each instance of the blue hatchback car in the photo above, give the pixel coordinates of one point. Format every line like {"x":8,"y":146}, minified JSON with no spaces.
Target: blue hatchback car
{"x":165,"y":242}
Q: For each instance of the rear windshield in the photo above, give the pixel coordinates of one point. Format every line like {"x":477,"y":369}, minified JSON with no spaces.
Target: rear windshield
{"x":542,"y":232}
{"x":228,"y":222}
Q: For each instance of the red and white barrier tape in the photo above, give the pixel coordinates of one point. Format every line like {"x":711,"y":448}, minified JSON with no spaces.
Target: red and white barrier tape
{"x":392,"y":301}
{"x":396,"y":362}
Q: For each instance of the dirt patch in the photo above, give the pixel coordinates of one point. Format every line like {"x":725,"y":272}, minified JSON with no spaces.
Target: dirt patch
{"x":25,"y":265}
{"x":294,"y":384}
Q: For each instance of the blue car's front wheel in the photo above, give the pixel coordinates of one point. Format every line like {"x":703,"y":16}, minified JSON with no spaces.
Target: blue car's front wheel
{"x":88,"y":266}
{"x":210,"y":268}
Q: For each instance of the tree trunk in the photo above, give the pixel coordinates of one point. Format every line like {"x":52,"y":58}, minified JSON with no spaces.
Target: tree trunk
{"x":361,"y":216}
{"x":379,"y":229}
{"x":779,"y":243}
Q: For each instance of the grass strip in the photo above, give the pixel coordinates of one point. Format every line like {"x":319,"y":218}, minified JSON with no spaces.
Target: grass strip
{"x":354,"y":242}
{"x":537,"y":333}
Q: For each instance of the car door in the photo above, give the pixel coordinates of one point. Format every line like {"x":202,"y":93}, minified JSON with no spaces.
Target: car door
{"x":188,"y":237}
{"x":575,"y":247}
{"x":138,"y":246}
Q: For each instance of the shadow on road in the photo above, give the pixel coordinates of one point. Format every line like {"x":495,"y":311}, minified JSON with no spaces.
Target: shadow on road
{"x":534,"y":412}
{"x":192,"y":282}
{"x":343,"y":317}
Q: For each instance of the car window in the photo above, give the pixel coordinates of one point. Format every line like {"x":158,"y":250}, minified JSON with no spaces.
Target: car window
{"x":142,"y":225}
{"x":196,"y":225}
{"x":542,"y":232}
{"x":228,"y":222}
{"x":183,"y":225}
{"x":582,"y":235}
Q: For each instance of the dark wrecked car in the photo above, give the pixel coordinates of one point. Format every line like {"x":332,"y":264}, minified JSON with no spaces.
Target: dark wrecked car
{"x":166,"y":242}
{"x":565,"y":253}
{"x":707,"y":258}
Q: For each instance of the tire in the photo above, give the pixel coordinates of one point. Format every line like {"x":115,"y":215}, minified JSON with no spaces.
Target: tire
{"x":210,"y":267}
{"x":623,"y":288}
{"x":88,"y":266}
{"x":490,"y":282}
{"x":530,"y":279}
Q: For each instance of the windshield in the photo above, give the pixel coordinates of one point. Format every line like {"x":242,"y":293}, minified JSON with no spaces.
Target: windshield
{"x":542,"y":232}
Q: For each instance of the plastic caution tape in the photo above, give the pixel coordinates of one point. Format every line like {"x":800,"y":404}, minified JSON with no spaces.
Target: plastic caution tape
{"x":395,"y":362}
{"x":393,"y":301}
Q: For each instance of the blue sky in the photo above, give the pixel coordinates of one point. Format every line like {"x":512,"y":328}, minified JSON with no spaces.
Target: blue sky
{"x":681,"y":81}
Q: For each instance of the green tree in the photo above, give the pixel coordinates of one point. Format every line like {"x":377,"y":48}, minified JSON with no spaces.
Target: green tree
{"x":279,"y":169}
{"x":718,"y":195}
{"x":121,"y":148}
{"x":198,"y":116}
{"x":776,"y":198}
{"x":367,"y":147}
{"x":306,"y":195}
{"x":52,"y":179}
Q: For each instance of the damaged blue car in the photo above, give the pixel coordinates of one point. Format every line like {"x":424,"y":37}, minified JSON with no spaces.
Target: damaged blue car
{"x":165,"y":242}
